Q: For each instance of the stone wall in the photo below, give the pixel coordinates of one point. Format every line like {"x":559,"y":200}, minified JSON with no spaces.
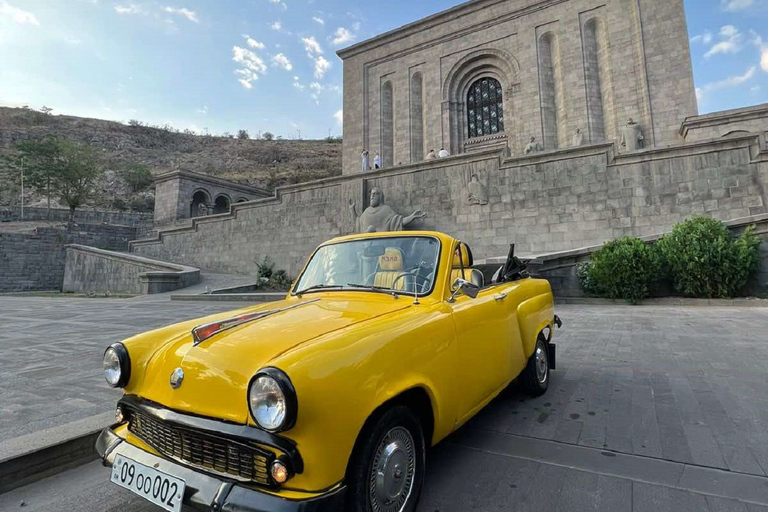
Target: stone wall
{"x":35,"y":261}
{"x":725,"y":123}
{"x":131,"y":219}
{"x":88,"y":269}
{"x":549,"y":202}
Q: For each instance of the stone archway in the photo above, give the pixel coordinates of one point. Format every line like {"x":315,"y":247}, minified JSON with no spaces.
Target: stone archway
{"x":200,"y":197}
{"x":492,"y":63}
{"x":222,"y":204}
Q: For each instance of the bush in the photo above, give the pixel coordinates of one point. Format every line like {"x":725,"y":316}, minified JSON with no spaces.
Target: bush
{"x":268,"y":136}
{"x":705,"y":261}
{"x":243,"y":134}
{"x":138,"y":177}
{"x":626,"y":268}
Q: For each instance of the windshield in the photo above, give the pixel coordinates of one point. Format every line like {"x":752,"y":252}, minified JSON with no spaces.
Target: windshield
{"x":396,"y":264}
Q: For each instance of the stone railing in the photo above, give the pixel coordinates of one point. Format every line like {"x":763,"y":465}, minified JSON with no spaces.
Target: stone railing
{"x":88,"y":269}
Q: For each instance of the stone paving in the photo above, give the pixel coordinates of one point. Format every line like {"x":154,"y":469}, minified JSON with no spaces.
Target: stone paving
{"x":51,"y":350}
{"x":670,"y":390}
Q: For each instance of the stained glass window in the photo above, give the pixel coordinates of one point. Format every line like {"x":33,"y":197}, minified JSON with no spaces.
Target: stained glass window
{"x":485,"y":110}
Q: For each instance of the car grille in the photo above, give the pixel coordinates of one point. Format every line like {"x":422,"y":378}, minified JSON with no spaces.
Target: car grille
{"x":202,"y":450}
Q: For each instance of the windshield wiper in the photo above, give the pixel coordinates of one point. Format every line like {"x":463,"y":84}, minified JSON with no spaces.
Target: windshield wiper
{"x":379,"y":289}
{"x":318,"y":287}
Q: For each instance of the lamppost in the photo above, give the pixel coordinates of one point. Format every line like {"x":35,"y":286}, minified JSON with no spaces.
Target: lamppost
{"x":22,"y":188}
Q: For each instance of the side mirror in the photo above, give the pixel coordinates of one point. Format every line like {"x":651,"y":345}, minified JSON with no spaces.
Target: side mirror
{"x":466,"y":287}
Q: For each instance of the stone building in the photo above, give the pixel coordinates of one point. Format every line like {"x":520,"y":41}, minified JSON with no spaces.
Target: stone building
{"x":492,"y":73}
{"x":183,"y":195}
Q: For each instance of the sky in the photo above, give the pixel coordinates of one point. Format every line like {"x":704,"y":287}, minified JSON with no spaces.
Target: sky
{"x":216,"y":66}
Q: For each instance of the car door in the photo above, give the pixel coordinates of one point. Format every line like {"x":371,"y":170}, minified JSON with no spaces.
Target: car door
{"x":487,"y":336}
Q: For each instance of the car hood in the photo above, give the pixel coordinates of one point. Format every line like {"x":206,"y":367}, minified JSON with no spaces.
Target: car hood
{"x":218,"y":370}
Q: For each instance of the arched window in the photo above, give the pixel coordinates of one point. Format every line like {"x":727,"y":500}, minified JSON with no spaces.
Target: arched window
{"x":485,"y":109}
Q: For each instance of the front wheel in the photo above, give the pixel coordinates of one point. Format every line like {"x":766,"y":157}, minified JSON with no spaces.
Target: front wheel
{"x":535,"y":376}
{"x":387,"y":467}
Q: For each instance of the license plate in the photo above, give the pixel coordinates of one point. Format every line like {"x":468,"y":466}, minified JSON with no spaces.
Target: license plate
{"x":153,"y":485}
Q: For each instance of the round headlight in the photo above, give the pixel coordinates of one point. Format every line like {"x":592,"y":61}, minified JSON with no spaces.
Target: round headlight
{"x":272,"y":400}
{"x":117,"y":366}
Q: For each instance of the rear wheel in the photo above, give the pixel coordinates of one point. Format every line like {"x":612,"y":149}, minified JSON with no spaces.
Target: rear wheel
{"x":535,"y":376}
{"x":387,"y":466}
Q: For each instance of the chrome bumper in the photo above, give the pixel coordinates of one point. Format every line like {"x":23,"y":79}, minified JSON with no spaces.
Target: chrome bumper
{"x":204,"y":492}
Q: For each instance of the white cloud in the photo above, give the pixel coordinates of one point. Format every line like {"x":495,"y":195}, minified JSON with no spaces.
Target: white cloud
{"x":280,"y":3}
{"x":704,"y":38}
{"x":311,"y":45}
{"x":736,"y":5}
{"x":17,"y":15}
{"x":730,"y":82}
{"x":181,"y":11}
{"x":129,"y":9}
{"x":731,"y":42}
{"x":276,"y":26}
{"x":764,"y":59}
{"x":342,"y":36}
{"x":252,"y":66}
{"x":318,"y":20}
{"x":297,"y":84}
{"x":282,"y":61}
{"x":203,"y":110}
{"x":254,"y":43}
{"x":321,"y":67}
{"x":755,"y":89}
{"x":339,"y":117}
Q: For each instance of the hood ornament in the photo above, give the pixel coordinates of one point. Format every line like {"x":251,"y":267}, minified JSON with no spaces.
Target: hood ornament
{"x":177,"y":377}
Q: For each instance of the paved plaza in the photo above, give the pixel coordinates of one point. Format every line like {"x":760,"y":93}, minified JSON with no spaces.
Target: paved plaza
{"x":651,"y":408}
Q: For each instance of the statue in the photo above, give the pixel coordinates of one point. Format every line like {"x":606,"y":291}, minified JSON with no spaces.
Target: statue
{"x":381,"y":217}
{"x":533,"y":147}
{"x":578,"y":138}
{"x":632,"y":136}
{"x":476,"y":191}
{"x":202,"y":210}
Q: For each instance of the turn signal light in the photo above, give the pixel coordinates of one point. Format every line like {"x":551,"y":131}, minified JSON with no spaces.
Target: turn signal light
{"x":279,"y":471}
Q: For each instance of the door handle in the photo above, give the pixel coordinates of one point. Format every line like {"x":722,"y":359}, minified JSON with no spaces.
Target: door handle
{"x":500,"y":297}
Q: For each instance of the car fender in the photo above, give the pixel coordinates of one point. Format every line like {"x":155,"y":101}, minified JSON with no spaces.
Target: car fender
{"x":535,"y":314}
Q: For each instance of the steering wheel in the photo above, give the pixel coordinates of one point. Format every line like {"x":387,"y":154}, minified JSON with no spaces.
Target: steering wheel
{"x":423,"y":284}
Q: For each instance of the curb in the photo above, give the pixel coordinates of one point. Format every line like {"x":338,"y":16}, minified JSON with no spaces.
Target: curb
{"x":667,"y":301}
{"x":230,"y":297}
{"x":35,"y":456}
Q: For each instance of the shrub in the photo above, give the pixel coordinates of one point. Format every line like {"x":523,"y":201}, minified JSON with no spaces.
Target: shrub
{"x":243,"y":134}
{"x":138,"y":177}
{"x":626,"y":268}
{"x":704,"y":260}
{"x":268,"y":136}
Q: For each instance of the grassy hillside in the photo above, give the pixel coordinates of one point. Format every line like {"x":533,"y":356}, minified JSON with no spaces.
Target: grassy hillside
{"x":254,"y":162}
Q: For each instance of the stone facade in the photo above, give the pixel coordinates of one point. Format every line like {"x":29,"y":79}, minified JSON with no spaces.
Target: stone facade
{"x":546,"y":202}
{"x":35,"y":261}
{"x":181,"y":195}
{"x":561,"y":64}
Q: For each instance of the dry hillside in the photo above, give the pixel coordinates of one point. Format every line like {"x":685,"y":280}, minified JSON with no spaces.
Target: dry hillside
{"x":256,"y":162}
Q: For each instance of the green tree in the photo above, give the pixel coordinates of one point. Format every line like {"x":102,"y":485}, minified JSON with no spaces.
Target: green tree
{"x":40,"y":160}
{"x":243,"y":134}
{"x":137,"y":176}
{"x":76,"y":180}
{"x":268,"y":136}
{"x":60,"y":167}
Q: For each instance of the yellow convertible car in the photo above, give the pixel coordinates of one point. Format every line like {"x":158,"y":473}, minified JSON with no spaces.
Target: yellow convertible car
{"x":327,"y":400}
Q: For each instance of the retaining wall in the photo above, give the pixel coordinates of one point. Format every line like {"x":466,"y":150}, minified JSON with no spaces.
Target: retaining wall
{"x":88,"y":269}
{"x":35,"y":261}
{"x":544,"y":203}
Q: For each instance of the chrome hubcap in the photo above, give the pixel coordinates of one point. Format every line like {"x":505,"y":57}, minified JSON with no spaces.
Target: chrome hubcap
{"x":394,"y":464}
{"x":542,"y":364}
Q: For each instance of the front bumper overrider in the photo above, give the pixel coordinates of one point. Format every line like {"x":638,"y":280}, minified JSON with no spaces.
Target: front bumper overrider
{"x":205,"y":492}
